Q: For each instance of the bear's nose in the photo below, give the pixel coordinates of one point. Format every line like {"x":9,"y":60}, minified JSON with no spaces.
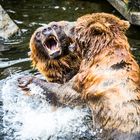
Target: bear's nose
{"x":47,"y":31}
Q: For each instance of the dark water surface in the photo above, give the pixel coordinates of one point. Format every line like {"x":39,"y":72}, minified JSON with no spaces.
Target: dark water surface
{"x":30,"y":14}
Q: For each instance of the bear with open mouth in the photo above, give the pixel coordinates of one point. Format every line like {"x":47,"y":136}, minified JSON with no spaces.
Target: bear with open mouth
{"x":108,"y":80}
{"x":53,"y":51}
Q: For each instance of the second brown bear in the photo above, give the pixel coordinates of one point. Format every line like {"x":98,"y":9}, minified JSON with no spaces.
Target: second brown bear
{"x":53,"y":51}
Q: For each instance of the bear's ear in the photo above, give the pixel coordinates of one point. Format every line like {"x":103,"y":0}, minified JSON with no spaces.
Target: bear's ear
{"x":124,"y":25}
{"x":98,"y":28}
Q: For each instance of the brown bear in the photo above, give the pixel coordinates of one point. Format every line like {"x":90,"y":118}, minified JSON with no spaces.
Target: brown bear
{"x":109,"y":77}
{"x":53,"y":51}
{"x":108,"y":80}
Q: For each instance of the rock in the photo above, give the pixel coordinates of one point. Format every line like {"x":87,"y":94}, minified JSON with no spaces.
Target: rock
{"x":7,"y":26}
{"x":130,"y":12}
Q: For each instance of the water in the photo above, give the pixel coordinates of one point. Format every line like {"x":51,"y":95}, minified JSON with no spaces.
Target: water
{"x":25,"y":117}
{"x":31,"y":117}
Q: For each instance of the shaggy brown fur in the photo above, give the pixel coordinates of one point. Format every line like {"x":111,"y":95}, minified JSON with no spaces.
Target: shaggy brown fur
{"x":109,"y":77}
{"x":53,"y":51}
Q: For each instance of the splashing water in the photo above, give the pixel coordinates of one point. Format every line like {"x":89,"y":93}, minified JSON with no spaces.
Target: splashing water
{"x":31,"y":117}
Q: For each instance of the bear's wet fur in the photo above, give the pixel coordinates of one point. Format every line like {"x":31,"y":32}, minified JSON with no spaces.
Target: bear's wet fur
{"x":109,"y":76}
{"x":53,"y":51}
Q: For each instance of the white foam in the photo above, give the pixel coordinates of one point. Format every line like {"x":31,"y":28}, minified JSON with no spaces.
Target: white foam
{"x":31,"y":117}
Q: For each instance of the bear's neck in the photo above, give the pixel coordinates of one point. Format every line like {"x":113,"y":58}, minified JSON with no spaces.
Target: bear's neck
{"x":61,"y":70}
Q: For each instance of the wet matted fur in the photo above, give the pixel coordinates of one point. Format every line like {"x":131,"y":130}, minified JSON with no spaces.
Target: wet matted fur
{"x":109,"y":77}
{"x":53,"y":51}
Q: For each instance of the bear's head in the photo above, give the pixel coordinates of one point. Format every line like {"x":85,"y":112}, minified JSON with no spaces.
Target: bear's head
{"x":52,"y":40}
{"x":98,"y":29}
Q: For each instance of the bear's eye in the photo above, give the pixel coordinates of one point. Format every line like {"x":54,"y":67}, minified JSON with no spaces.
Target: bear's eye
{"x":38,"y":36}
{"x":55,"y":26}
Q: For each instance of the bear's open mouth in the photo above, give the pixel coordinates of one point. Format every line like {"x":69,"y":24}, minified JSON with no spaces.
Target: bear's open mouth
{"x":52,"y":47}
